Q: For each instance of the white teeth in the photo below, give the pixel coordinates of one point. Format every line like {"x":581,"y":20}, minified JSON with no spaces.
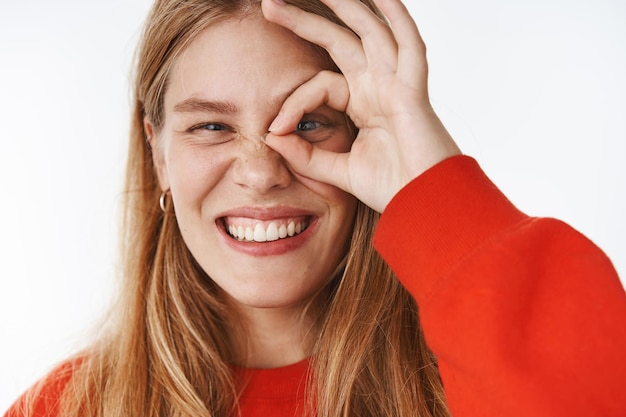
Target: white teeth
{"x":259,"y":233}
{"x":273,"y":232}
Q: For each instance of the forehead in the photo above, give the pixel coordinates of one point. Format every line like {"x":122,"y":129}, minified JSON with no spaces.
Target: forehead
{"x":241,"y":59}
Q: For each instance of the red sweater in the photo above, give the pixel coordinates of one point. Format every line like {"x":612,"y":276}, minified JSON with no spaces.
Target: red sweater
{"x":526,"y":316}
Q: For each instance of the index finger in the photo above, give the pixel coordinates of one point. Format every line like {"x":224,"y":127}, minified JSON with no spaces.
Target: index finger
{"x":326,"y":88}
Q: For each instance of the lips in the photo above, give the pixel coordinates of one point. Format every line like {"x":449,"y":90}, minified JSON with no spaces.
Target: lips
{"x":248,"y":229}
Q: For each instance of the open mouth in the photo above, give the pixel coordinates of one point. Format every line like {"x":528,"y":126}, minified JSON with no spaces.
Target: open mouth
{"x":254,"y":230}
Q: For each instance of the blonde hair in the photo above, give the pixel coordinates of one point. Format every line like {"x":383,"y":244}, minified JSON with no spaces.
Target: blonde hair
{"x":167,"y":351}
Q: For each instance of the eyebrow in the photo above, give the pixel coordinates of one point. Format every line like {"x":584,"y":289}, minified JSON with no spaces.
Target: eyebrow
{"x":196,"y":105}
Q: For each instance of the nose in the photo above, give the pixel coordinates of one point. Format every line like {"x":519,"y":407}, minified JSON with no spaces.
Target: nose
{"x":260,"y":168}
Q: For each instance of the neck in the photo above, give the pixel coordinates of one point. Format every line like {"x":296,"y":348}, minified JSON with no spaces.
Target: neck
{"x":274,"y":337}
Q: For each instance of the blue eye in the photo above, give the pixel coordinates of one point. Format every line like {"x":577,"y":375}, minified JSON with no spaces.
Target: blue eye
{"x":305,"y":125}
{"x":212,"y":126}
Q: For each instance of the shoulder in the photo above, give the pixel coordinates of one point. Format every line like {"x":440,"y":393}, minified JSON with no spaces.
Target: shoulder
{"x":43,"y":398}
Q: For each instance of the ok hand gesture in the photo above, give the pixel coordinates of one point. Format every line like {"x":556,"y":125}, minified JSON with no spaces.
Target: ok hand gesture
{"x":382,"y":88}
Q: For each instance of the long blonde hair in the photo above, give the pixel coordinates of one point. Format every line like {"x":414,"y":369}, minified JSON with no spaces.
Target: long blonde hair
{"x":167,"y":350}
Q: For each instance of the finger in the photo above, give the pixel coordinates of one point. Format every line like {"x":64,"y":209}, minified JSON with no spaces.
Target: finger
{"x":376,"y":36}
{"x":326,"y":88}
{"x":310,"y":161}
{"x":343,"y":46}
{"x":411,"y":47}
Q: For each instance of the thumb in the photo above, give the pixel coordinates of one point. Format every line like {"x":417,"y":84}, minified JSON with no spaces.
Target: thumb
{"x":310,"y":161}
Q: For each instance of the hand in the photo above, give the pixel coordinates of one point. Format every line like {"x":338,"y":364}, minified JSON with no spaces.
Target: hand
{"x":382,"y":88}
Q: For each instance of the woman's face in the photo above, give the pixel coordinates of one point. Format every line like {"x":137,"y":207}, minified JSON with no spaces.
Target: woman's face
{"x":268,"y":237}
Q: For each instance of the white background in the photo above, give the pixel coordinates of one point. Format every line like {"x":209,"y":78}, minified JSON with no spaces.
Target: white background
{"x":535,"y":90}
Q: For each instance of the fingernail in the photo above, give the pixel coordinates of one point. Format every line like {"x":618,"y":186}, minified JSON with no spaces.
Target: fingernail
{"x":278,"y":121}
{"x":280,"y":2}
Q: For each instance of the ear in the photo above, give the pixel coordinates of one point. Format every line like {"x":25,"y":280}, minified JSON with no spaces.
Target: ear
{"x":157,"y":154}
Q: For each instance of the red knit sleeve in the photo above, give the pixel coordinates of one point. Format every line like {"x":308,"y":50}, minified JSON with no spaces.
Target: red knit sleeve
{"x":526,"y":316}
{"x":42,"y":400}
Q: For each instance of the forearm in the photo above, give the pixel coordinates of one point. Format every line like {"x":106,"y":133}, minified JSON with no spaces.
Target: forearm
{"x":525,"y":315}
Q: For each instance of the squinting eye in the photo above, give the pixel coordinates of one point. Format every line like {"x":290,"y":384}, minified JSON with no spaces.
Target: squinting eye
{"x":206,"y":126}
{"x":305,"y":125}
{"x":210,"y":126}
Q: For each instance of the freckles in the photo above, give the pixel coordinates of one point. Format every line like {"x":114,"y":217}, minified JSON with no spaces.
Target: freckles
{"x":195,"y":173}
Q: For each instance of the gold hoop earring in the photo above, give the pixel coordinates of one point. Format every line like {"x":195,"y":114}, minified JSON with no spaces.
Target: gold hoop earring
{"x":162,"y":200}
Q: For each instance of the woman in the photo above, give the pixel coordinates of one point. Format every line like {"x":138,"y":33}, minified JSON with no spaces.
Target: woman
{"x":266,"y":139}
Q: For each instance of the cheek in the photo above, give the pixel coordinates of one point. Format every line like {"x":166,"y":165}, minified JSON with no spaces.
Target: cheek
{"x":343,"y":212}
{"x":342,"y":205}
{"x":346,"y":203}
{"x":193,"y":173}
{"x":341,"y":142}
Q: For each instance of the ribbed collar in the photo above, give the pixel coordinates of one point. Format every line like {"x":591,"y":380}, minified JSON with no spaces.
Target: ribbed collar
{"x":276,"y":384}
